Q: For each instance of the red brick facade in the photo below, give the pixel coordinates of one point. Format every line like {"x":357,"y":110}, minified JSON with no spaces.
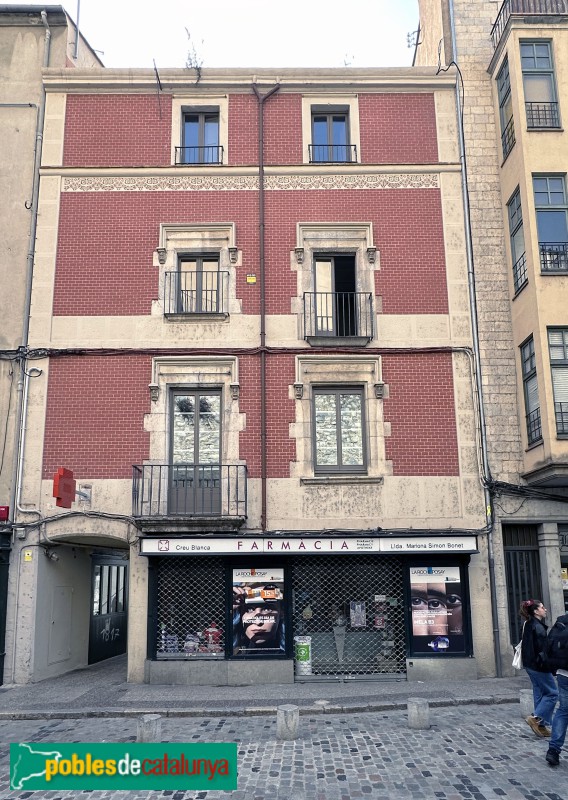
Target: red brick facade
{"x":95,"y":415}
{"x":135,"y":130}
{"x":106,"y":240}
{"x":108,"y":270}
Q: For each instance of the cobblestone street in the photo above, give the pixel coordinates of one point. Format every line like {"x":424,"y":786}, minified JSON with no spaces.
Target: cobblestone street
{"x":472,"y":751}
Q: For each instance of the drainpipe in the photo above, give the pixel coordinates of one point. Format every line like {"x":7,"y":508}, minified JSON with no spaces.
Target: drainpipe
{"x":261,"y":230}
{"x":24,"y":376}
{"x":477,"y":359}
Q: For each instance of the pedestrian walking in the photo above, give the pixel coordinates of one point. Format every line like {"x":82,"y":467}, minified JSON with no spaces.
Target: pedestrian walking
{"x":557,"y":658}
{"x":545,"y":690}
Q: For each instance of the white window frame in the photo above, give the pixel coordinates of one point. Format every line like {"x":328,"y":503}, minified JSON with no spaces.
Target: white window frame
{"x":351,"y":103}
{"x":181,"y":105}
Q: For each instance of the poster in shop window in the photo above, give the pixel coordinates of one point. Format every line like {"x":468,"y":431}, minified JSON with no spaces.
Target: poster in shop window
{"x":258,"y":612}
{"x":436,"y":609}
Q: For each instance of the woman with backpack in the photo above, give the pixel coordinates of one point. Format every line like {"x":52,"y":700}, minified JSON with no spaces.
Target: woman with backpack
{"x":545,"y":690}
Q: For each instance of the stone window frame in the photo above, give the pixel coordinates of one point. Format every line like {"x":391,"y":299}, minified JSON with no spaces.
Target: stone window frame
{"x":363,"y":372}
{"x":334,"y":238}
{"x":194,"y":373}
{"x":348,"y":101}
{"x":176,"y":240}
{"x":203,"y":103}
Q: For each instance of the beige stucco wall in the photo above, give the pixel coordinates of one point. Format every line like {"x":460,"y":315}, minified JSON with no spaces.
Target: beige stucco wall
{"x":504,"y":323}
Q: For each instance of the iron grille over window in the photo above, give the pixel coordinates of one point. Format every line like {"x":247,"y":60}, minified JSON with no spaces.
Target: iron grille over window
{"x":551,"y":204}
{"x":530,"y":383}
{"x":190,"y":608}
{"x":517,"y":238}
{"x":371,"y":642}
{"x":190,"y":490}
{"x":338,"y":315}
{"x":543,"y":115}
{"x":195,"y":292}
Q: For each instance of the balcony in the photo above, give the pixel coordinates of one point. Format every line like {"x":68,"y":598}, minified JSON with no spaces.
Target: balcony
{"x":524,"y":9}
{"x":188,"y":293}
{"x":534,"y":427}
{"x":208,"y":154}
{"x":561,"y":415}
{"x":553,"y":257}
{"x":520,"y":273}
{"x":332,"y":153}
{"x":186,"y":496}
{"x":542,"y":115}
{"x":332,"y":318}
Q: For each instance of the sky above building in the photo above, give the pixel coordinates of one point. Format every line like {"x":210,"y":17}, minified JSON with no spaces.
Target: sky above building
{"x":247,"y":33}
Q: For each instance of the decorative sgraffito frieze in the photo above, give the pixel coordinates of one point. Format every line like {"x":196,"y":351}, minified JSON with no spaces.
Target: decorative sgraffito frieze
{"x":163,"y":183}
{"x":231,"y":183}
{"x":357,"y":181}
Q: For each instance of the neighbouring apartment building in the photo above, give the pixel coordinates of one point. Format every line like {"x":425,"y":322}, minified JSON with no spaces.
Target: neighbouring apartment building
{"x":252,"y":335}
{"x":514,"y":60}
{"x":31,"y":37}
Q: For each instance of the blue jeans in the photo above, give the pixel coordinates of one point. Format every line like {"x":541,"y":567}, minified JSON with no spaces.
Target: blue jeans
{"x":545,"y":693}
{"x":560,"y":721}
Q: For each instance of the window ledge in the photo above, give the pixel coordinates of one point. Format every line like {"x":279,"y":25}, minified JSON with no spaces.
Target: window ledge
{"x":331,"y":480}
{"x":540,"y":129}
{"x":338,"y":341}
{"x":197,"y":317}
{"x":534,"y":444}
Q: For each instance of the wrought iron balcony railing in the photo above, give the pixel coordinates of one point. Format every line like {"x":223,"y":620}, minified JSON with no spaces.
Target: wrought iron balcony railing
{"x":561,"y":414}
{"x":534,"y":426}
{"x":520,"y":273}
{"x":208,"y":154}
{"x":338,"y":315}
{"x":189,"y":490}
{"x":508,"y":138}
{"x":525,"y":8}
{"x":195,"y":292}
{"x":542,"y":115}
{"x":332,"y":153}
{"x":553,"y":256}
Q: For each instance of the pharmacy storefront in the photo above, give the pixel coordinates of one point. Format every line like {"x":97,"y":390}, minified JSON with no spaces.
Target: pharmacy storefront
{"x":279,"y":609}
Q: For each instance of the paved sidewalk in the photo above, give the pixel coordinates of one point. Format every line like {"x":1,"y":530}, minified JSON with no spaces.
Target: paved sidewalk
{"x":477,"y":748}
{"x":102,"y":689}
{"x":469,"y":753}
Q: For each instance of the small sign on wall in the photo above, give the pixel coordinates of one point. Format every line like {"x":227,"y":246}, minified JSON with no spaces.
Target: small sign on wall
{"x":28,"y":555}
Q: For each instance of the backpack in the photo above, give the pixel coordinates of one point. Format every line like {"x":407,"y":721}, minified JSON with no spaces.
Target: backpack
{"x":557,"y":644}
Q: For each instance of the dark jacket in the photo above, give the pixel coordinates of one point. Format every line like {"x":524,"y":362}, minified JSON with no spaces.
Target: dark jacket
{"x":534,"y":645}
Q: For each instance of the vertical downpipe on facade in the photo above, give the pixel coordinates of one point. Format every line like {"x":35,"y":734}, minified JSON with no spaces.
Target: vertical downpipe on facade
{"x":261,"y":226}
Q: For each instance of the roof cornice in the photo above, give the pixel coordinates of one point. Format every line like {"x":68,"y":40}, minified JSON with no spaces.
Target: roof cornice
{"x":178,"y":81}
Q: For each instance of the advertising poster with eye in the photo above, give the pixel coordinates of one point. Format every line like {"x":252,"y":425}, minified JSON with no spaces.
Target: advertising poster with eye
{"x":436,"y":604}
{"x":258,"y":612}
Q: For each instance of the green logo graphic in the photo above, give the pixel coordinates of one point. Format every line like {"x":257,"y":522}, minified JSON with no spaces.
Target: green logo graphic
{"x":123,"y":766}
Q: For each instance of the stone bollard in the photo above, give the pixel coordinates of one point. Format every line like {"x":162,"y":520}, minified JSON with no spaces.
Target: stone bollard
{"x":418,"y":713}
{"x":287,"y":722}
{"x":149,"y":728}
{"x":526,"y":699}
